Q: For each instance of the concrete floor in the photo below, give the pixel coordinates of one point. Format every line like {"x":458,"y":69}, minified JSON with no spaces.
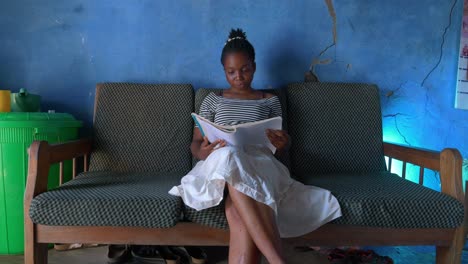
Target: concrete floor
{"x":217,"y":255}
{"x":98,"y":255}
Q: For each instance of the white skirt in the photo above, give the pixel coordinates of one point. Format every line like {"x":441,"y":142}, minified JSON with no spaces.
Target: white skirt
{"x":254,"y":171}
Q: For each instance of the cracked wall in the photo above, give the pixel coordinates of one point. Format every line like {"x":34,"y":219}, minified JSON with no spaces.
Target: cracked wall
{"x":310,"y":75}
{"x":61,"y":50}
{"x":414,"y":61}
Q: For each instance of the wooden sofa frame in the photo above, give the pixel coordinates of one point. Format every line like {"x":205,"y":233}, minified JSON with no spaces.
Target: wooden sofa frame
{"x":448,"y":242}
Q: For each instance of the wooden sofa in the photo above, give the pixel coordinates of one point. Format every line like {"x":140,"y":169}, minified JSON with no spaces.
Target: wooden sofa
{"x":345,"y":117}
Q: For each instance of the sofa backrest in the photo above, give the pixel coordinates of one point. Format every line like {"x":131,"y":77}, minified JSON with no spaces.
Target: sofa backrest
{"x":281,"y":93}
{"x":142,"y":127}
{"x":335,"y":128}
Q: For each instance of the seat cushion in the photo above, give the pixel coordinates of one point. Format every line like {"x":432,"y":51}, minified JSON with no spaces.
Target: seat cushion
{"x":213,"y":217}
{"x":383,"y":199}
{"x":111,"y":199}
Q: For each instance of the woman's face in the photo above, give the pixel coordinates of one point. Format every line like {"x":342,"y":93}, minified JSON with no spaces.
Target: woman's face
{"x":239,"y":70}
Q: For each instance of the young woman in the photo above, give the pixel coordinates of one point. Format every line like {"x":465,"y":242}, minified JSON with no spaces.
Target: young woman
{"x":263,"y":203}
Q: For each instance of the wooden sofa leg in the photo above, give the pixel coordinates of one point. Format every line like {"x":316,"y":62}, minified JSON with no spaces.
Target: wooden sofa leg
{"x":34,"y":253}
{"x":452,"y":254}
{"x":38,"y":255}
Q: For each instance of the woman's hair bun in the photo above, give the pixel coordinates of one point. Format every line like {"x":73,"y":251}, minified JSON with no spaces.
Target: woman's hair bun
{"x":237,"y":33}
{"x":237,"y":42}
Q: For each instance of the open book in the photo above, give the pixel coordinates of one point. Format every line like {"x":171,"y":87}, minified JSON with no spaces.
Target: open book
{"x":238,"y":135}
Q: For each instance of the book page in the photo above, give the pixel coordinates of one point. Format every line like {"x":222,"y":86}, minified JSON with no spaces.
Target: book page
{"x":238,"y":135}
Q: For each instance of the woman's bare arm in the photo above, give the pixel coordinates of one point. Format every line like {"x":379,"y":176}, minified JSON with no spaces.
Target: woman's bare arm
{"x":201,"y":148}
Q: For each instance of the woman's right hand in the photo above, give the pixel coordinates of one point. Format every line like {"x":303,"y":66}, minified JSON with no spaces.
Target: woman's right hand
{"x":206,"y":148}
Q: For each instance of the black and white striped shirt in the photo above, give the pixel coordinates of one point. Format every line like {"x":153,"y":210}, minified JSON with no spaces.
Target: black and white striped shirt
{"x":229,"y":111}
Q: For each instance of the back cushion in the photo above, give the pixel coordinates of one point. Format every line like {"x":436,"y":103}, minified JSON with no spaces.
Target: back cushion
{"x":142,"y":127}
{"x":335,"y":127}
{"x":281,"y":93}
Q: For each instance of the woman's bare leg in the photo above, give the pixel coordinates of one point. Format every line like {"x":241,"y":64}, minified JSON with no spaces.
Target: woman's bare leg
{"x":242,"y":248}
{"x":261,"y":225}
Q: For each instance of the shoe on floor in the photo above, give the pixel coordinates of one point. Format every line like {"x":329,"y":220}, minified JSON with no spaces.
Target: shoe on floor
{"x":168,"y":255}
{"x":147,"y":254}
{"x":118,"y":254}
{"x":190,"y":254}
{"x":63,"y":247}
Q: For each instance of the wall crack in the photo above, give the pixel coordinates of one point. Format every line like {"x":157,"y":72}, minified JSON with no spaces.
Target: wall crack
{"x":310,"y":75}
{"x":441,"y":44}
{"x":394,"y":116}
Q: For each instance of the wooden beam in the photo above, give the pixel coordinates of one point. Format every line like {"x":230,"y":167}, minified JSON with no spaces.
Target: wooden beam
{"x":421,"y":157}
{"x":69,"y":150}
{"x":343,"y":235}
{"x":185,"y":233}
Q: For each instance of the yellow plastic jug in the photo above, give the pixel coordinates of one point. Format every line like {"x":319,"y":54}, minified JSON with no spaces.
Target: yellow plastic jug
{"x":5,"y":105}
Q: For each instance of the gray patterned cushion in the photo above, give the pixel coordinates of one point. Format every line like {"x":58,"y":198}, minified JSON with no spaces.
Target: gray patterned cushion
{"x":111,"y":199}
{"x":213,"y":217}
{"x":378,"y":199}
{"x":383,"y":199}
{"x":335,"y":127}
{"x":142,"y":127}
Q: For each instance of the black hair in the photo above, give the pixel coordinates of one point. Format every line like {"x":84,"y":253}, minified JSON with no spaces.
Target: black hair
{"x":237,"y":42}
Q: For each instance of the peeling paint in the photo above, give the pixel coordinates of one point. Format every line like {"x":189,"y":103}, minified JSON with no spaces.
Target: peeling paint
{"x":322,"y":62}
{"x":331,"y":10}
{"x":394,"y":93}
{"x":311,"y":75}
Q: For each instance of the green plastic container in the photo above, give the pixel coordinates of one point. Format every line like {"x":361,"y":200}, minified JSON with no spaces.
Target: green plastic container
{"x":17,"y":132}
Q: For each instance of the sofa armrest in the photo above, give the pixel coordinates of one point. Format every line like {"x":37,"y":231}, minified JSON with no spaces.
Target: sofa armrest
{"x":448,"y":162}
{"x":42,"y":155}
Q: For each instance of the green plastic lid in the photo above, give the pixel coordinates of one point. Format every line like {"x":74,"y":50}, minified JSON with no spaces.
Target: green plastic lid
{"x":36,"y":119}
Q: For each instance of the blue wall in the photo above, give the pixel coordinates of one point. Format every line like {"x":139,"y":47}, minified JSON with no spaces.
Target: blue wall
{"x":61,"y":49}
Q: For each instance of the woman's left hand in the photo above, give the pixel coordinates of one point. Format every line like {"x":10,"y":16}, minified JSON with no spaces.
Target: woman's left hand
{"x":279,"y":138}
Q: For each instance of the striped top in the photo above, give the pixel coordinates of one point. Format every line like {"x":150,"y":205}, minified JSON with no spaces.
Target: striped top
{"x":229,"y":111}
